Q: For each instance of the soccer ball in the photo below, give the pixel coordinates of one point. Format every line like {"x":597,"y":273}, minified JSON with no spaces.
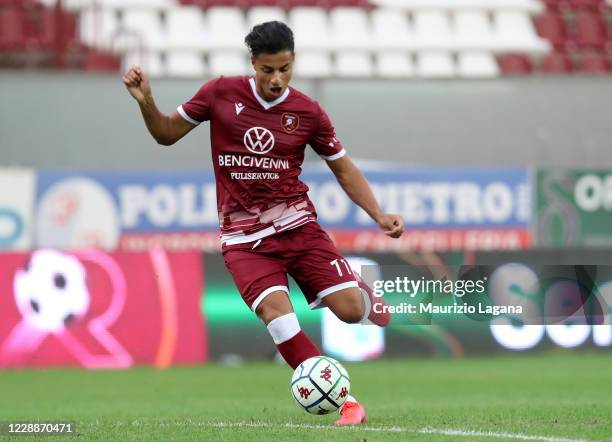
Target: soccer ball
{"x":320,"y":385}
{"x":52,"y":291}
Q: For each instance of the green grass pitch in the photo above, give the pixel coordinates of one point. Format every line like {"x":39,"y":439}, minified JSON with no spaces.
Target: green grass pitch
{"x":561,"y":396}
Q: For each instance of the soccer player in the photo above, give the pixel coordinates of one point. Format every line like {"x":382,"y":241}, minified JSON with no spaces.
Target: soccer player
{"x":259,"y":130}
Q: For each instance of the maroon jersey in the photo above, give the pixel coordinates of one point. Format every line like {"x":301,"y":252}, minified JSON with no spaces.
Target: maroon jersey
{"x":257,"y":151}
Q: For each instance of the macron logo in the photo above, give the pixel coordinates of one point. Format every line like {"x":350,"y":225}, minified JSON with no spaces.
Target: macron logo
{"x":239,"y":107}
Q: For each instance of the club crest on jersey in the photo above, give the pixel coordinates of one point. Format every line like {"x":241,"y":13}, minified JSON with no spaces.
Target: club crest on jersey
{"x":289,"y":122}
{"x":258,"y":140}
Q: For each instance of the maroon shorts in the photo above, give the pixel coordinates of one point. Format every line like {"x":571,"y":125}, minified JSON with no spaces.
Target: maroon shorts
{"x":306,"y":253}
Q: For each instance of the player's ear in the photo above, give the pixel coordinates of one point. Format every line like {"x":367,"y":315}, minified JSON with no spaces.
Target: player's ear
{"x":253,"y":61}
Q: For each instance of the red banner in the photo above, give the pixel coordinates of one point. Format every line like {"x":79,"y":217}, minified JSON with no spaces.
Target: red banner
{"x":99,"y":310}
{"x":432,"y":240}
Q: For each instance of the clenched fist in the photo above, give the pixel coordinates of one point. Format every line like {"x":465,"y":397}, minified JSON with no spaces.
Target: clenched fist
{"x":391,"y":224}
{"x":137,"y":84}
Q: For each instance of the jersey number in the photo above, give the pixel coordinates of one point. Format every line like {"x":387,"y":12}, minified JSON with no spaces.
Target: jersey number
{"x":336,"y":263}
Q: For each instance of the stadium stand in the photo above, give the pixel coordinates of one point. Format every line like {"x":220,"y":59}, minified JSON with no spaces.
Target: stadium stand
{"x":338,"y":38}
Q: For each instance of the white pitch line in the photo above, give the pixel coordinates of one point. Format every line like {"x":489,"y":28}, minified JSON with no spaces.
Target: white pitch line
{"x":445,"y":432}
{"x":519,"y":436}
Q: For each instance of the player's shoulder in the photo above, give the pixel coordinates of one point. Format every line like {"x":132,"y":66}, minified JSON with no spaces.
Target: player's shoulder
{"x":303,"y":102}
{"x":224,"y":83}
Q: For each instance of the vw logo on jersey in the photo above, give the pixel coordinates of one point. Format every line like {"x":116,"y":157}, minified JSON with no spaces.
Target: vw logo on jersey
{"x":258,"y":140}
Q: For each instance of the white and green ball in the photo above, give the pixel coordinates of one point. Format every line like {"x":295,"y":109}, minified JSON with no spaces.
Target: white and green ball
{"x":320,"y":385}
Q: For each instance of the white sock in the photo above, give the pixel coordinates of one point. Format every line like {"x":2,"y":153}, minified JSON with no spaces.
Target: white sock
{"x":284,"y":328}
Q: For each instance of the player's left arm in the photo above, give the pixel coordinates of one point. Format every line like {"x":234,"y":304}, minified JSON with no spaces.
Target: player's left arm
{"x":358,"y":190}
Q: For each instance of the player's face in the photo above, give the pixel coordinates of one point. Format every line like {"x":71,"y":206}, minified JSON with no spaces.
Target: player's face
{"x":272,"y":73}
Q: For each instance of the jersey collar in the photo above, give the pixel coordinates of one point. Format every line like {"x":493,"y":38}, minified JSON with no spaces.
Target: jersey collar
{"x":267,"y":104}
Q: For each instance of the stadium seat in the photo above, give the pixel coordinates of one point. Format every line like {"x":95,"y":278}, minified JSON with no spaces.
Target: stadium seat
{"x":185,"y":64}
{"x":590,"y":31}
{"x":145,"y":23}
{"x":47,"y":27}
{"x":98,"y":27}
{"x":226,"y":28}
{"x":263,"y":3}
{"x":439,"y":64}
{"x":473,"y":30}
{"x":350,"y":28}
{"x":432,"y":30}
{"x":310,"y":27}
{"x":592,"y":5}
{"x":261,"y":14}
{"x":552,"y":27}
{"x":312,"y":64}
{"x":186,"y":27}
{"x":390,"y":64}
{"x":151,"y":62}
{"x":353,"y":64}
{"x":515,"y":64}
{"x":528,"y":6}
{"x":228,"y":63}
{"x":391,"y":29}
{"x":594,"y":63}
{"x":13,"y":32}
{"x":96,"y":61}
{"x":477,"y":65}
{"x":515,"y":32}
{"x":553,"y":5}
{"x":122,"y":4}
{"x":306,"y":3}
{"x":556,"y":63}
{"x":205,"y":4}
{"x":362,"y":4}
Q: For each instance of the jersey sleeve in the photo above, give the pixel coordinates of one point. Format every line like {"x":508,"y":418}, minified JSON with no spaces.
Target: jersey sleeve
{"x":324,"y":140}
{"x":198,"y":109}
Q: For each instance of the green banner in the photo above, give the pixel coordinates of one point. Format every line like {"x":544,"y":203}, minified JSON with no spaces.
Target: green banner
{"x":574,"y":207}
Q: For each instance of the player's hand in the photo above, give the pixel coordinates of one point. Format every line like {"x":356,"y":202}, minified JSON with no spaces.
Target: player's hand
{"x":137,"y":83}
{"x":392,"y":225}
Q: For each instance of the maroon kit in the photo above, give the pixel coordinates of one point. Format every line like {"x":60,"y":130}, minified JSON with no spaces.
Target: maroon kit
{"x":268,"y":223}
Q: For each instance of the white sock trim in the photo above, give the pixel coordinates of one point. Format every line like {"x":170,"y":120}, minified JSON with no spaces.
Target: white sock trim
{"x":284,"y":328}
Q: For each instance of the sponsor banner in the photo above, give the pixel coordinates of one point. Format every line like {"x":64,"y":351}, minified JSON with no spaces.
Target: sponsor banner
{"x":428,"y":199}
{"x":97,"y":310}
{"x":432,"y":240}
{"x":444,"y":209}
{"x":105,"y":208}
{"x":16,"y":207}
{"x":574,"y":207}
{"x":541,"y":283}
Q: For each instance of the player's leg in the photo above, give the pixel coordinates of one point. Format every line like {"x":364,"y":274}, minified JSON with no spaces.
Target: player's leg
{"x":261,"y":279}
{"x":358,"y":305}
{"x":327,"y":278}
{"x":276,"y":311}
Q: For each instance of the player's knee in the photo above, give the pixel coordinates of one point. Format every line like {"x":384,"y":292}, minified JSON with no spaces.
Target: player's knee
{"x":351,"y":310}
{"x":273,"y":306}
{"x":268,"y":313}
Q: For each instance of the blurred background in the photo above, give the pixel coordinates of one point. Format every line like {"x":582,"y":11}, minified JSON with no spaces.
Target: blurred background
{"x":485,"y":123}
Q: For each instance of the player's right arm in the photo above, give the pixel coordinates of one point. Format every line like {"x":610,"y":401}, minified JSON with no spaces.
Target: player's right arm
{"x":166,"y":130}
